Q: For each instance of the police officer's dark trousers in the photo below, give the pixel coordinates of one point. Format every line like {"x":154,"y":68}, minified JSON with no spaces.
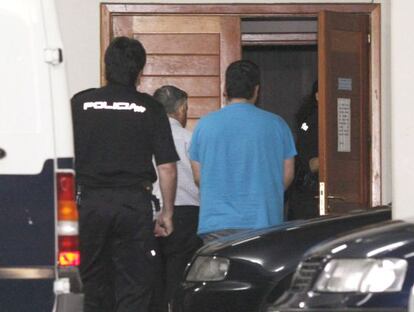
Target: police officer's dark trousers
{"x":117,"y":246}
{"x":176,"y":251}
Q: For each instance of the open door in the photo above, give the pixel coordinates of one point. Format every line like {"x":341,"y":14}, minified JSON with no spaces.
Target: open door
{"x":344,"y":137}
{"x":190,"y":52}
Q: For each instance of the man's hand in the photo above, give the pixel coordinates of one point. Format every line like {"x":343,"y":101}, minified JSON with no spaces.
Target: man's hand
{"x":167,"y":174}
{"x":163,"y":225}
{"x":314,"y":164}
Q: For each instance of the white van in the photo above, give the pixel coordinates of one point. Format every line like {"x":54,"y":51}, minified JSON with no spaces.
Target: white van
{"x":39,"y":251}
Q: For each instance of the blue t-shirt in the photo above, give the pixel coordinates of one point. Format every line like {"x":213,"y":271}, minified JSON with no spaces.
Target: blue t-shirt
{"x":241,"y":150}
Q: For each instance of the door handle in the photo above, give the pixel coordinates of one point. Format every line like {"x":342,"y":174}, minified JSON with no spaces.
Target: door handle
{"x":2,"y":153}
{"x":331,"y":197}
{"x":335,"y":197}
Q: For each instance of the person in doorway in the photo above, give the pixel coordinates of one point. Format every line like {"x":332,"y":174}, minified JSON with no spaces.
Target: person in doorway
{"x":242,"y":158}
{"x":303,"y":203}
{"x":117,"y":132}
{"x":178,"y":248}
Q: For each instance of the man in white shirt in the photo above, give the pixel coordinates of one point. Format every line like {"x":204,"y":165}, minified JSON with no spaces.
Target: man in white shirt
{"x":178,"y":248}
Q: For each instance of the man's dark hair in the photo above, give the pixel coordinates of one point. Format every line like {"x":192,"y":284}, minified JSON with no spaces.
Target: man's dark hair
{"x":241,"y":79}
{"x":170,"y":97}
{"x":124,"y":59}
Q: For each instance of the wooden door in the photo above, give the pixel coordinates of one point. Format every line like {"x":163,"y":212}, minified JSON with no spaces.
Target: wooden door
{"x":344,"y":135}
{"x":187,"y":51}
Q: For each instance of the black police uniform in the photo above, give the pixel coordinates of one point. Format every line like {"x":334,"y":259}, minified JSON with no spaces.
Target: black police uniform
{"x":117,"y":132}
{"x":303,"y":203}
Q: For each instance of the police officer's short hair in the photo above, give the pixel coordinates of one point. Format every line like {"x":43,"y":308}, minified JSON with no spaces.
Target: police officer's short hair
{"x":170,"y":97}
{"x":241,"y":79}
{"x":124,"y":59}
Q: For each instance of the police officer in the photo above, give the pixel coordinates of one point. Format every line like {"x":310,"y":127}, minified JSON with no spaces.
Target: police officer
{"x":117,"y":132}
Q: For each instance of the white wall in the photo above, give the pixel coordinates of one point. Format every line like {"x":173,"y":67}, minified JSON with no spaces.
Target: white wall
{"x":79,"y":21}
{"x":402,"y":109}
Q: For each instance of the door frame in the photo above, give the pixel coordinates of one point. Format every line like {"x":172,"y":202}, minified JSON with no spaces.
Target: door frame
{"x":107,"y":10}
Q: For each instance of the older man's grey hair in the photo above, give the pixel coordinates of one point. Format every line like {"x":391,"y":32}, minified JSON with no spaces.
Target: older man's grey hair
{"x":171,"y":98}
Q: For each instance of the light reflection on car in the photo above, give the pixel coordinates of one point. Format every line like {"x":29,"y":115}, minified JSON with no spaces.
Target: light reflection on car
{"x":368,"y":270}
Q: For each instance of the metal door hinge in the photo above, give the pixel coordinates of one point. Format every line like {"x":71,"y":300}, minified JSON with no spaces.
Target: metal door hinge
{"x":53,"y":56}
{"x":369,"y":38}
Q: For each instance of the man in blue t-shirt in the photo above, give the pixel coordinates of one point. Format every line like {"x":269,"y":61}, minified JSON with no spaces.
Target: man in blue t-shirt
{"x":242,"y":158}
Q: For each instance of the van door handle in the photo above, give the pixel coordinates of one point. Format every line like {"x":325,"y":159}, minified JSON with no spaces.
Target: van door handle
{"x":2,"y":153}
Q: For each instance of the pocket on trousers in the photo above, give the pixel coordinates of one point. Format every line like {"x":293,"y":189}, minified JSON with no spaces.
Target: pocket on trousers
{"x":140,"y":204}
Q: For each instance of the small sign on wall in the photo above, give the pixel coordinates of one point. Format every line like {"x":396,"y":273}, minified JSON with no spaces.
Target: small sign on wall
{"x":345,"y":84}
{"x":344,"y":125}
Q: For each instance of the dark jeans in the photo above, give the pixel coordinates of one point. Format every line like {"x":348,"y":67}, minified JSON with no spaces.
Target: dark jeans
{"x":117,"y":245}
{"x":176,"y":251}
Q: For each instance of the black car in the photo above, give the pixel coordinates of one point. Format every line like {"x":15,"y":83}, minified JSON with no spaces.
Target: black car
{"x":365,"y":271}
{"x":249,"y":270}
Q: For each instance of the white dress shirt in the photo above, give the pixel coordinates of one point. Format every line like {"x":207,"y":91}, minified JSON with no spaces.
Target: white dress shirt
{"x":187,"y":190}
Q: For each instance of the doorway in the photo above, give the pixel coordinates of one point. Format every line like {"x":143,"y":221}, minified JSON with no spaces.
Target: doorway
{"x":221,"y":26}
{"x":285,"y":49}
{"x":287,"y":76}
{"x":289,"y":68}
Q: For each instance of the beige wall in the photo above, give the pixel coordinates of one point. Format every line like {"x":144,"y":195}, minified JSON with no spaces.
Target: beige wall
{"x":402,"y":108}
{"x":79,"y":21}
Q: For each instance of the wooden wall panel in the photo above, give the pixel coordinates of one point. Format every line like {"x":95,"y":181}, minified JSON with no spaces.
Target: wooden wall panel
{"x":194,"y":86}
{"x":345,"y":41}
{"x":198,"y":107}
{"x":182,"y":65}
{"x":122,"y":26}
{"x":190,"y":52}
{"x":177,"y":24}
{"x":191,"y":43}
